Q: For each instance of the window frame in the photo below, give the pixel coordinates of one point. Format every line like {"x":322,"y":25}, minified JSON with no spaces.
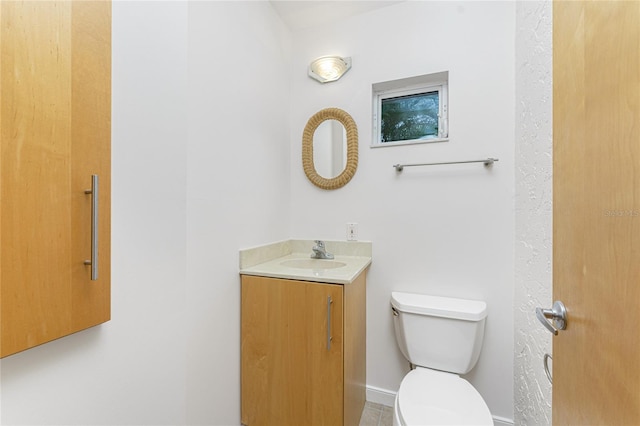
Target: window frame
{"x":400,"y":88}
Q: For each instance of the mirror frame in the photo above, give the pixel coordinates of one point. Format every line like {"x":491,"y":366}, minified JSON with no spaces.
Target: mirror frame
{"x":352,"y":148}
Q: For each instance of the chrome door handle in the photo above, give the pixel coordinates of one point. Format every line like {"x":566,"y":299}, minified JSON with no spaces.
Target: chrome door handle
{"x":94,"y":227}
{"x":557,"y":314}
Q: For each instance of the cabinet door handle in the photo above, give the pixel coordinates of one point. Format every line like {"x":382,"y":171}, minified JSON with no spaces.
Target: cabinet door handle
{"x":329,"y":338}
{"x":94,"y":227}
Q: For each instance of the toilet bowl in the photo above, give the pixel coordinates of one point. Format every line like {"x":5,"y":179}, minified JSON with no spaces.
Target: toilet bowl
{"x":430,"y":397}
{"x":441,"y":337}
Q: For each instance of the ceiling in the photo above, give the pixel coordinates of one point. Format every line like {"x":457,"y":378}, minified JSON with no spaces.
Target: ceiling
{"x":301,"y":14}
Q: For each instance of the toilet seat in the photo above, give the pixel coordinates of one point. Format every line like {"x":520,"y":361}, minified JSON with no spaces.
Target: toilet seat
{"x":430,"y":397}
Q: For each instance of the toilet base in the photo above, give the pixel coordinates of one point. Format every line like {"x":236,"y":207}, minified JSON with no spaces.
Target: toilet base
{"x":396,"y":413}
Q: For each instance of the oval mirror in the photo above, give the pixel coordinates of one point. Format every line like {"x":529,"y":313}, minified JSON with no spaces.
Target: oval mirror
{"x":330,"y":148}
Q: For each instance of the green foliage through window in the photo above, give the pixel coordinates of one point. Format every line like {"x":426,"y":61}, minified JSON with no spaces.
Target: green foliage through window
{"x":410,"y":117}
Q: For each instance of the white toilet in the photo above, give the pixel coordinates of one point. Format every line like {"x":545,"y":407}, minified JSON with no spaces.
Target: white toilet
{"x":442,"y":338}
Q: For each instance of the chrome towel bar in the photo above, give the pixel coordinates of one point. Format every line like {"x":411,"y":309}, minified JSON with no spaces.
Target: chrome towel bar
{"x":487,"y":162}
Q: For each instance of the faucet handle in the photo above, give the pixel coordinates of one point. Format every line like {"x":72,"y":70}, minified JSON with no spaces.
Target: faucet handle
{"x":319,"y":251}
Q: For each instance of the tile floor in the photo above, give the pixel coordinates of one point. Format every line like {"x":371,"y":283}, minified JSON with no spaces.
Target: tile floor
{"x":376,"y":415}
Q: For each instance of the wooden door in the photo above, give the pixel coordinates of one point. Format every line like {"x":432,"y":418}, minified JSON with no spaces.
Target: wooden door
{"x":290,"y":376}
{"x":55,"y":109}
{"x":596,"y":214}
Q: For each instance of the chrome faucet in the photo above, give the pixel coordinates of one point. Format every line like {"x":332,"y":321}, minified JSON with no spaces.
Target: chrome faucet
{"x":319,"y":251}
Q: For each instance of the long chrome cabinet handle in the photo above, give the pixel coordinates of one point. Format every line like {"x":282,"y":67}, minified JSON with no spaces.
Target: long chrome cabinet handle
{"x":329,"y":338}
{"x":94,"y":227}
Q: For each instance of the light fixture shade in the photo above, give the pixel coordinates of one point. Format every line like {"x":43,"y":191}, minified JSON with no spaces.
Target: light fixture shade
{"x":329,"y":68}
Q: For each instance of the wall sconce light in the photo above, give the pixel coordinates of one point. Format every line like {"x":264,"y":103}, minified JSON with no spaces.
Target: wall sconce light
{"x":329,"y":68}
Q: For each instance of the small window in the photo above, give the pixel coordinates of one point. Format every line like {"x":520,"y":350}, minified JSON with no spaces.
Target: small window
{"x":412,"y":110}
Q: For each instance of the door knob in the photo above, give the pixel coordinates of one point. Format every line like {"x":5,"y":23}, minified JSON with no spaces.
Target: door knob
{"x":557,"y":314}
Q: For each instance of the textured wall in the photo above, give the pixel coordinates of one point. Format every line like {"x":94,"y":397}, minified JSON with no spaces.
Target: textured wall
{"x":532,"y":390}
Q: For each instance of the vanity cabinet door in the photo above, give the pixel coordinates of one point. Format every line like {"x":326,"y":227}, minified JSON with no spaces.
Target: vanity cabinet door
{"x":55,"y":129}
{"x":292,"y":352}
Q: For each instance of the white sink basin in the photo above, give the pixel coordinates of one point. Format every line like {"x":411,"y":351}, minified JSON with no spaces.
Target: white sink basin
{"x":312,"y":263}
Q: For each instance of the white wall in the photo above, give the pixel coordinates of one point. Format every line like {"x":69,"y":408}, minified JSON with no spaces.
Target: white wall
{"x":200,"y":169}
{"x":237,"y":184}
{"x":533,"y":253}
{"x":445,"y":230}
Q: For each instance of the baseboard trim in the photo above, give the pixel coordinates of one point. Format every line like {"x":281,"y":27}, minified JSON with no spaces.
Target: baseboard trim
{"x":388,"y":398}
{"x":502,"y":421}
{"x":381,"y":396}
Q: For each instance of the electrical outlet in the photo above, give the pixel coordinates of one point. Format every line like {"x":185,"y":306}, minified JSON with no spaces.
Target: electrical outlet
{"x":352,"y":232}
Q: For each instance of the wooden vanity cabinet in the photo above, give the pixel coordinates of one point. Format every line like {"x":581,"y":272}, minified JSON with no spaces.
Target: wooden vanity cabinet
{"x":303,"y":352}
{"x":55,"y":130}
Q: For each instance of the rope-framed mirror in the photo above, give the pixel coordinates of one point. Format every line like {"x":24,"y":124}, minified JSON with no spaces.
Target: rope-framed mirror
{"x":351,"y":163}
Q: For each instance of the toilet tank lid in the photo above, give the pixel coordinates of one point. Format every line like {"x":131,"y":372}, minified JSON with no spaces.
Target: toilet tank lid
{"x":447,"y":307}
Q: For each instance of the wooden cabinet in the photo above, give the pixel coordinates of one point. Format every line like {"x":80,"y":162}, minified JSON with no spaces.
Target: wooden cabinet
{"x":55,"y":129}
{"x":303,"y":352}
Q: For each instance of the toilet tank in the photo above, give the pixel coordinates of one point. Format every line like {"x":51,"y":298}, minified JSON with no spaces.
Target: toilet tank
{"x":436,"y":332}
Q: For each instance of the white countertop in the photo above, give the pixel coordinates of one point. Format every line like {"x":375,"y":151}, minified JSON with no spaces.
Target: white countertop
{"x":270,"y":261}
